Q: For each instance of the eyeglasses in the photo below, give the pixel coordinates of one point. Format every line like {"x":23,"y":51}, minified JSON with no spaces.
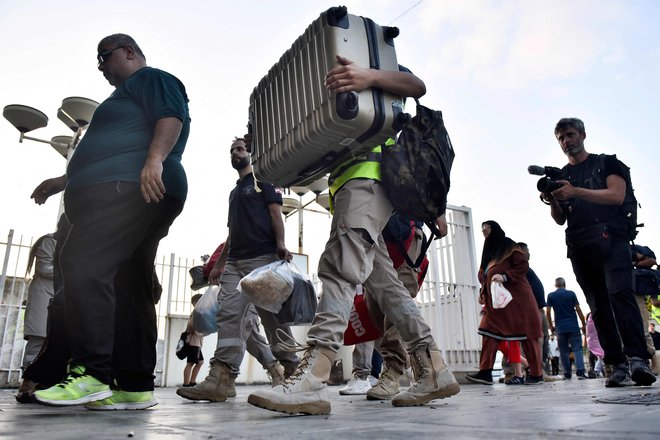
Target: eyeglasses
{"x":102,"y":57}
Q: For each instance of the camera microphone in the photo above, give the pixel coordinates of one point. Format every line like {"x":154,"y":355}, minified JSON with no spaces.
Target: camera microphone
{"x":536,"y":170}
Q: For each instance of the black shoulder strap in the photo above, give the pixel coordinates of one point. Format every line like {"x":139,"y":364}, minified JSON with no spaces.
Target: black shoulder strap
{"x":426,"y":243}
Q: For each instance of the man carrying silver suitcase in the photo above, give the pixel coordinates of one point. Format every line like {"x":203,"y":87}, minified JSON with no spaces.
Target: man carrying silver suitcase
{"x":356,"y":254}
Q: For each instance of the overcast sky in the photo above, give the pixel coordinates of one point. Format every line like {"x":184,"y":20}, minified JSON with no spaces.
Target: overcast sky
{"x":502,"y":72}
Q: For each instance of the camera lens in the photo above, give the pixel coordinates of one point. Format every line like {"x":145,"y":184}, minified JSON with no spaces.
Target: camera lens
{"x":547,"y":185}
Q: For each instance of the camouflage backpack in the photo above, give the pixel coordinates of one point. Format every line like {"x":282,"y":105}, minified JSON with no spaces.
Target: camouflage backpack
{"x":415,"y":171}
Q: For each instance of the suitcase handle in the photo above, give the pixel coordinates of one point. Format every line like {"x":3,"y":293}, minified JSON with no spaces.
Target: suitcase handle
{"x":337,"y":16}
{"x":390,"y":33}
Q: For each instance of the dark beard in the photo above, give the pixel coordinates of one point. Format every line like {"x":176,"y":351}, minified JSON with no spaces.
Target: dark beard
{"x":240,"y":163}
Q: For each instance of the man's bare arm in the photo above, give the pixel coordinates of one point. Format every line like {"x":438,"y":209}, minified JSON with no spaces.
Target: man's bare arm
{"x":348,"y":77}
{"x":275,"y":211}
{"x":47,"y":188}
{"x":614,"y":194}
{"x":166,"y":133}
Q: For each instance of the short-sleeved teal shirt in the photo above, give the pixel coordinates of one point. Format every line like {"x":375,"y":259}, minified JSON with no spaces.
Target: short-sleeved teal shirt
{"x":115,"y":145}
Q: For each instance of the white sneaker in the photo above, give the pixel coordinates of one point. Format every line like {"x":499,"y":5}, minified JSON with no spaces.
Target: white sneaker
{"x":372,"y":380}
{"x":356,"y":386}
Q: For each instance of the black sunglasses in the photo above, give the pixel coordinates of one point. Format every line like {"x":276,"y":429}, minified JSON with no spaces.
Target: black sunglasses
{"x":102,"y":57}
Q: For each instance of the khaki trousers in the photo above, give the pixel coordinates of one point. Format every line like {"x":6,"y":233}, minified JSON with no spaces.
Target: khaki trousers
{"x":390,"y":345}
{"x":356,"y":254}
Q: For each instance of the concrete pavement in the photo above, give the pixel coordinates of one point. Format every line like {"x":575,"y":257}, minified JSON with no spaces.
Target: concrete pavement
{"x":554,"y":410}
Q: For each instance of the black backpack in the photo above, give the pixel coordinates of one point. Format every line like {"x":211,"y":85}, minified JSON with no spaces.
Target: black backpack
{"x":646,"y":280}
{"x":645,"y":251}
{"x":628,"y":210}
{"x":415,"y":171}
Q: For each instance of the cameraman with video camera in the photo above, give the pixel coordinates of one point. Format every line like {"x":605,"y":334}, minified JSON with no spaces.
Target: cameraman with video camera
{"x":589,"y":195}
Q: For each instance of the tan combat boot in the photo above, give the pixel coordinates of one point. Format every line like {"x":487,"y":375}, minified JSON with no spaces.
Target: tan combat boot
{"x":231,"y":386}
{"x":216,"y":387}
{"x":276,"y":374}
{"x":433,"y":379}
{"x":289,"y":369}
{"x":305,"y":391}
{"x":388,"y":384}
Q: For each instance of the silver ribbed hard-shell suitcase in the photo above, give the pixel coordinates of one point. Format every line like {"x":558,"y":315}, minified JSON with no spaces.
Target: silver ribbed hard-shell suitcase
{"x":300,"y":129}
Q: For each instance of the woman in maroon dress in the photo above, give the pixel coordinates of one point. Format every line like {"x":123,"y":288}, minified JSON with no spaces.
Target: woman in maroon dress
{"x":503,"y":261}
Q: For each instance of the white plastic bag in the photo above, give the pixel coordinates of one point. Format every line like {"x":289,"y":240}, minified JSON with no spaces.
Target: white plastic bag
{"x":203,"y":316}
{"x":500,"y":295}
{"x":269,"y":286}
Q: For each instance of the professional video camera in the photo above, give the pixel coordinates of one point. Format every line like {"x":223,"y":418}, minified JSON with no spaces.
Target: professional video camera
{"x":548,"y":183}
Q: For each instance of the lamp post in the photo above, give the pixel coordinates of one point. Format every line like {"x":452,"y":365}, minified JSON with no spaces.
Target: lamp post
{"x":292,"y":206}
{"x":76,"y":112}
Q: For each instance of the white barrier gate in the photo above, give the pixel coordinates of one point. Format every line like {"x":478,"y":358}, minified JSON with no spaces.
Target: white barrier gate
{"x":449,"y":297}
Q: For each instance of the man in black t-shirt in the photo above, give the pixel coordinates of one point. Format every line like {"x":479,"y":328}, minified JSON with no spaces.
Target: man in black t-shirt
{"x":123,"y":189}
{"x":256,"y":238}
{"x":592,"y":192}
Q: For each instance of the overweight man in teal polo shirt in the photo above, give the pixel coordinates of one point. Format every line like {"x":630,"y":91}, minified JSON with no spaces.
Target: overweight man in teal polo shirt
{"x":124,"y":186}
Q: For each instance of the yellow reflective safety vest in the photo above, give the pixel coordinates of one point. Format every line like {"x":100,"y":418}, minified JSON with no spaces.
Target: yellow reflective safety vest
{"x":363,"y":166}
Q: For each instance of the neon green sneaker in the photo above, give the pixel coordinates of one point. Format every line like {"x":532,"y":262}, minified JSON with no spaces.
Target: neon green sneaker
{"x":124,"y":400}
{"x":77,"y":388}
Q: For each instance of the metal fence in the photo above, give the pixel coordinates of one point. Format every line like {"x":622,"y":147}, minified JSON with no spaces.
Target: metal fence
{"x":13,"y":290}
{"x":172,"y":272}
{"x":448,"y":298}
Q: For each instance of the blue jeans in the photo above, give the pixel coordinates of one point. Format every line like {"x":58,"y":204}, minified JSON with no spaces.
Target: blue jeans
{"x":575,"y":341}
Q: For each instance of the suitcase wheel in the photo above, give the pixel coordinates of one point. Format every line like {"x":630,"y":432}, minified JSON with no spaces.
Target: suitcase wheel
{"x":348,"y":104}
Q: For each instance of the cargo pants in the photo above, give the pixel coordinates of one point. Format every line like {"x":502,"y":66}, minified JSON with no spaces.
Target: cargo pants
{"x":235,"y":308}
{"x":390,"y":345}
{"x":356,"y":254}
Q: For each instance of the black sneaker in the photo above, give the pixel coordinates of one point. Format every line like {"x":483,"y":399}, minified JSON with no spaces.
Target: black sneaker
{"x":640,"y":373}
{"x":592,"y":375}
{"x":482,"y":377}
{"x":620,"y":377}
{"x":581,"y":375}
{"x":515,"y":380}
{"x":534,"y":380}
